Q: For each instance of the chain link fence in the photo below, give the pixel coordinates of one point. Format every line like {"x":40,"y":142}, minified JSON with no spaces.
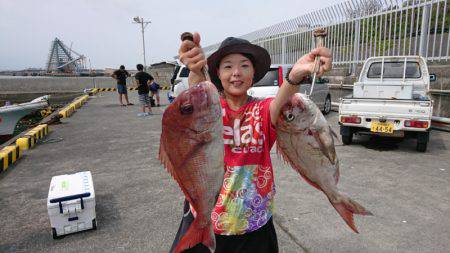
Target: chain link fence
{"x":359,"y":29}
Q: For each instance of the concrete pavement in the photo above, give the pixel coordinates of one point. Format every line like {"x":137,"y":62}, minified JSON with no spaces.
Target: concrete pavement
{"x":139,"y":204}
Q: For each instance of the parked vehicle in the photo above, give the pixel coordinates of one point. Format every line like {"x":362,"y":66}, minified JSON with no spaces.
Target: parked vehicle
{"x":180,"y":80}
{"x":269,"y":84}
{"x":390,"y":99}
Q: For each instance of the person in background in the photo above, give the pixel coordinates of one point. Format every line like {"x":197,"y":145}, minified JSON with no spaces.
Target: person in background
{"x":143,"y":80}
{"x":154,"y":89}
{"x":121,"y":76}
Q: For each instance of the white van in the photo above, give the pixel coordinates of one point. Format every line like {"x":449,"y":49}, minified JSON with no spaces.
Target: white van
{"x":180,"y":80}
{"x":269,"y":84}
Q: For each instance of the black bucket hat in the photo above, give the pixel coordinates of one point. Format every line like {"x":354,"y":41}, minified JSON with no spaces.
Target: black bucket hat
{"x":258,"y":55}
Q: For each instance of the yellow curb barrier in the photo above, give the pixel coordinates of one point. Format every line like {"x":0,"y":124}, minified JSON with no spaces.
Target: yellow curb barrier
{"x":3,"y":160}
{"x":77,"y":104}
{"x":30,"y":138}
{"x":72,"y":107}
{"x":36,"y":134}
{"x":67,"y":111}
{"x":80,"y":101}
{"x":84,"y":98}
{"x":9,"y":155}
{"x":107,"y":89}
{"x":64,"y":113}
{"x":43,"y":128}
{"x":96,"y":90}
{"x":26,"y":142}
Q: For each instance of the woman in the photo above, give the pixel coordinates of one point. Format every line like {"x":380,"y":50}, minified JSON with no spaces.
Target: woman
{"x":242,"y":217}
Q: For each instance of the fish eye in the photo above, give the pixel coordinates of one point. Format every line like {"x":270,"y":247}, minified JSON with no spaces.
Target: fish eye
{"x":289,"y":117}
{"x":186,"y":109}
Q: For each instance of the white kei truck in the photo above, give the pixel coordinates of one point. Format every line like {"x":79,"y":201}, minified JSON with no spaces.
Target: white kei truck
{"x":391,"y":98}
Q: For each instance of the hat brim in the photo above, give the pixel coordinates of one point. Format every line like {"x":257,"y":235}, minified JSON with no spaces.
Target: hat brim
{"x":261,"y":60}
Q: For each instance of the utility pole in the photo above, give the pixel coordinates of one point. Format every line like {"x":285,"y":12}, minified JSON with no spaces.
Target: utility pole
{"x":139,"y":20}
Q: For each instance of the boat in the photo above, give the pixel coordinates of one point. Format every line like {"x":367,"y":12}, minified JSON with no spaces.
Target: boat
{"x":11,"y":114}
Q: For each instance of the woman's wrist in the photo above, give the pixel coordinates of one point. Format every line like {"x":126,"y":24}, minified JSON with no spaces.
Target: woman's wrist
{"x":295,"y":79}
{"x":195,"y":78}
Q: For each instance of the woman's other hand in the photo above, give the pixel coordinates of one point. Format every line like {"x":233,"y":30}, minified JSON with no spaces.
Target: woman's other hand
{"x":191,"y":55}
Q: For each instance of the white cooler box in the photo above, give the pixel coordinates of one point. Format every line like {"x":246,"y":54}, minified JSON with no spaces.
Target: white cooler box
{"x":71,"y":203}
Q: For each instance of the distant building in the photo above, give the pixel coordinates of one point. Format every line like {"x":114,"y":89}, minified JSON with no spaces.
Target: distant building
{"x":162,"y":72}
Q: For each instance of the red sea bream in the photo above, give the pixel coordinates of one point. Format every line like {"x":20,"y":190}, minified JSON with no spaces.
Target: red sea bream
{"x":192,"y":150}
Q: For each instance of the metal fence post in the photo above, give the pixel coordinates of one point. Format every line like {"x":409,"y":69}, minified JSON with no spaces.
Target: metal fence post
{"x":424,"y":30}
{"x":283,"y":50}
{"x":356,"y":46}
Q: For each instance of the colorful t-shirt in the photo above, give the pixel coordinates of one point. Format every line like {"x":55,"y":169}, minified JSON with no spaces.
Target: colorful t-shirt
{"x":245,"y":202}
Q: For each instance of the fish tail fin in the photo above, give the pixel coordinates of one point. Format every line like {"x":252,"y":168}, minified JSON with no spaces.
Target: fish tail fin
{"x":346,"y":208}
{"x":196,"y":235}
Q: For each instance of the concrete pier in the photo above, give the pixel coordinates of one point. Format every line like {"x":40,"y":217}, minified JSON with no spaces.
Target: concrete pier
{"x":139,"y":205}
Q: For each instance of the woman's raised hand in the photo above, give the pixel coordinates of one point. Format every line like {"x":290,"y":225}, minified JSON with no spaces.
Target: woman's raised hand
{"x":191,"y":55}
{"x":305,"y":65}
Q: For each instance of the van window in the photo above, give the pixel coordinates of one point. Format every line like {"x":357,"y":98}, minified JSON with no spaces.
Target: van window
{"x":394,"y":70}
{"x":270,"y":79}
{"x":184,"y":72}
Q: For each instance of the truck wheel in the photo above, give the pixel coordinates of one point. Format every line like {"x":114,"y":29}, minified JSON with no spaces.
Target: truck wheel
{"x":347,"y":139}
{"x":421,"y":147}
{"x":422,"y":141}
{"x":327,"y":105}
{"x":94,"y":224}
{"x":55,"y":236}
{"x":346,"y":134}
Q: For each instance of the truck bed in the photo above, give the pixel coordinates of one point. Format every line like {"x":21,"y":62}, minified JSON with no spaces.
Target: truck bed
{"x":405,"y":109}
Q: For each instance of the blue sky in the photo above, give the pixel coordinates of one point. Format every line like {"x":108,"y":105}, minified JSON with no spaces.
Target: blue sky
{"x":103,"y":30}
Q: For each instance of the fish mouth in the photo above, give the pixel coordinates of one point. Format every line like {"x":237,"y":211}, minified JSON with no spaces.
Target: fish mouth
{"x":298,"y":101}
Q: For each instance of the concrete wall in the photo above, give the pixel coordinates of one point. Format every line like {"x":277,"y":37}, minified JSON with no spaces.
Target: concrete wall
{"x":162,"y":74}
{"x":53,"y":84}
{"x":72,"y":84}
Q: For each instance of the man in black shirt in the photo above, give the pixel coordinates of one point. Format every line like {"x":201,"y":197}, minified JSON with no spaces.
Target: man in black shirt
{"x":143,"y":80}
{"x":121,"y":76}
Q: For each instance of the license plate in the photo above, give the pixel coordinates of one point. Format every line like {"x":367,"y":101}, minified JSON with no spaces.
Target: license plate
{"x":382,"y":127}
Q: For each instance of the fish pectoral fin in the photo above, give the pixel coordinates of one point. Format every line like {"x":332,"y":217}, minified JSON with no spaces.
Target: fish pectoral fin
{"x":325,"y":146}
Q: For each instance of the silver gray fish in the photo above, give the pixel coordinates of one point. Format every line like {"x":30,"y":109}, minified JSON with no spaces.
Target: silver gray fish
{"x":305,"y":141}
